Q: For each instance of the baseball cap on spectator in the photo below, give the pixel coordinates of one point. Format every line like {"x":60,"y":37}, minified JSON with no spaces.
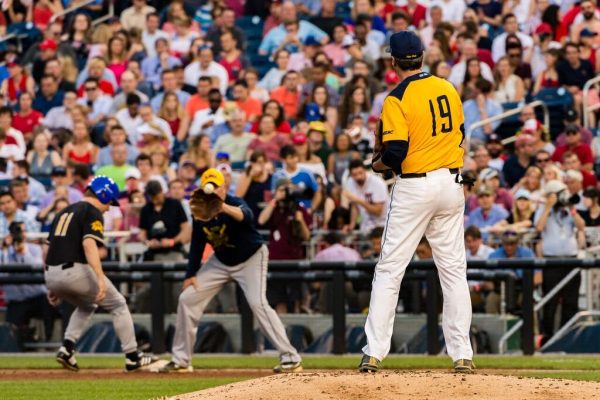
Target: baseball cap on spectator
{"x":299,"y":138}
{"x":59,"y":170}
{"x":488,"y":173}
{"x":318,"y":126}
{"x":510,"y":236}
{"x":133,"y":173}
{"x":311,"y":112}
{"x":543,"y":28}
{"x":586,"y":32}
{"x":494,"y":138}
{"x":391,"y":77}
{"x":554,"y":186}
{"x":572,"y":174}
{"x":484,"y":191}
{"x":405,"y":45}
{"x":222,"y":155}
{"x":373,"y":118}
{"x":531,"y":125}
{"x":149,"y":130}
{"x":214,"y":176}
{"x":523,"y":194}
{"x":311,"y":41}
{"x":571,"y":128}
{"x":15,"y":62}
{"x":524,"y":138}
{"x":48,"y":44}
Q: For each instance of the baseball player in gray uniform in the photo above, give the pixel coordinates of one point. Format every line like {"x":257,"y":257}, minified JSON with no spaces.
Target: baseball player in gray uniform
{"x":74,"y":274}
{"x":240,"y":255}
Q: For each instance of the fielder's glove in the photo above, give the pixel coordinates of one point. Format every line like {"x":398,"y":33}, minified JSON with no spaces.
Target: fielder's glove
{"x":205,"y":206}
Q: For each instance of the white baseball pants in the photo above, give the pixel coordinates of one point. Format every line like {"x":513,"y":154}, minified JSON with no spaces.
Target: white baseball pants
{"x":432,"y":206}
{"x":252,"y":278}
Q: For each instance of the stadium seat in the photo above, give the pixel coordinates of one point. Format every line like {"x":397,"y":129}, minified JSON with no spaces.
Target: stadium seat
{"x":557,"y":101}
{"x":300,"y":337}
{"x":581,"y":338}
{"x":418,"y":343}
{"x":8,"y":339}
{"x":342,"y":9}
{"x":210,"y":338}
{"x":102,"y":338}
{"x":355,"y":341}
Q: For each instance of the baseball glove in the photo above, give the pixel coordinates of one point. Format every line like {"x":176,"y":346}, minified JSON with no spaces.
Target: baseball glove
{"x":205,"y":206}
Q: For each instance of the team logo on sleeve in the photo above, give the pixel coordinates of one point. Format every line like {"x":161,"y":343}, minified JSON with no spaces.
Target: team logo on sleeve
{"x":97,"y":226}
{"x":389,"y":132}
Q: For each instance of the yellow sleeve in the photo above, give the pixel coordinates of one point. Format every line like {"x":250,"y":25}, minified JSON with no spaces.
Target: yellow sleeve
{"x":393,"y":122}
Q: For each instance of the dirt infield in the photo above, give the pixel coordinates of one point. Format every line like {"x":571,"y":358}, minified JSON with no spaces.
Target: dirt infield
{"x":37,"y":374}
{"x":413,"y":385}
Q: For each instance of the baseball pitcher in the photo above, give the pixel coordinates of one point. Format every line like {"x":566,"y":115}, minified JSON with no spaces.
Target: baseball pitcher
{"x":420,"y":134}
{"x":226,"y":222}
{"x":74,"y":274}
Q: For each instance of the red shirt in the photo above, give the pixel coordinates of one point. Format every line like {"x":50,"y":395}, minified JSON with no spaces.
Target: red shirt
{"x":288,"y":99}
{"x":589,"y":180}
{"x":583,"y":151}
{"x":233,"y":68}
{"x":26,"y":123}
{"x":283,"y":127}
{"x":105,"y":86}
{"x":417,"y":16}
{"x":252,"y":107}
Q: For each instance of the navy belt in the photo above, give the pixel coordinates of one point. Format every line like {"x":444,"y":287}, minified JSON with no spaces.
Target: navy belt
{"x":62,"y":266}
{"x":424,"y":174}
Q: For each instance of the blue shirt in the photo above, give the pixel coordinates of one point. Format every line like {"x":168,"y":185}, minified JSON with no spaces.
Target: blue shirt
{"x":157,"y":100}
{"x":522,"y":252}
{"x":152,"y":69}
{"x":31,"y":225}
{"x":43,"y":105}
{"x":233,"y":242}
{"x":496,"y":214}
{"x":472,"y":115}
{"x":33,"y":255}
{"x":278,"y":34}
{"x":303,"y":181}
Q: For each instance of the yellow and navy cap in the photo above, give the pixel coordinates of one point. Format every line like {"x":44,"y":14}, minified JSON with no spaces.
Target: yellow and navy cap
{"x":212,"y":175}
{"x":405,"y":45}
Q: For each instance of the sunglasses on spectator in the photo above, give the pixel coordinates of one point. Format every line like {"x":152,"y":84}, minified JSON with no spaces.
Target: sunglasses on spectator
{"x":542,"y":160}
{"x":514,"y":55}
{"x":568,"y":133}
{"x":90,"y":88}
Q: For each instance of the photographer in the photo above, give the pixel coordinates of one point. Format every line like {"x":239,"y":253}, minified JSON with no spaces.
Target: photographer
{"x":24,"y":301}
{"x":561,"y":228}
{"x":288,"y":224}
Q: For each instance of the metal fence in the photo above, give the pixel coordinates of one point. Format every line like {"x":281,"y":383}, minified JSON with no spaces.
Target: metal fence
{"x":338,"y":273}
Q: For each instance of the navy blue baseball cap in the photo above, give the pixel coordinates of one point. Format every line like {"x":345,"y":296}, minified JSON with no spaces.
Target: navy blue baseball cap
{"x":405,"y":45}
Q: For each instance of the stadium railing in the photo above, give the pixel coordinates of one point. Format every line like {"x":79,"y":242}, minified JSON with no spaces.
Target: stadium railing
{"x":338,"y":273}
{"x":587,"y":108}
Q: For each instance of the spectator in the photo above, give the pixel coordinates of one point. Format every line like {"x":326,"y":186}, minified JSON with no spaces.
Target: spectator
{"x":268,"y":139}
{"x":307,"y":160}
{"x":511,"y":27}
{"x":574,"y":182}
{"x":336,"y":50}
{"x":355,"y":102}
{"x":42,"y":159}
{"x":149,"y":118}
{"x":231,"y":57}
{"x":590,"y":22}
{"x":206,"y":66}
{"x":26,"y":119}
{"x":540,"y":135}
{"x":571,"y":162}
{"x":129,"y":118}
{"x":521,"y":68}
{"x":318,"y":141}
{"x":303,"y":183}
{"x":521,"y":216}
{"x":250,"y":106}
{"x":531,"y":182}
{"x":274,"y":109}
{"x":237,"y":141}
{"x":516,"y":165}
{"x":169,"y":84}
{"x":288,"y":224}
{"x":476,"y":249}
{"x":172,"y":112}
{"x":508,"y":87}
{"x":495,"y":150}
{"x":99,"y":104}
{"x":135,"y":16}
{"x":60,"y":116}
{"x":339,"y":161}
{"x":491,"y":178}
{"x":548,"y":78}
{"x":6,"y":124}
{"x":36,"y":190}
{"x":119,"y":167}
{"x":250,"y":75}
{"x":18,"y":82}
{"x":488,"y":213}
{"x":183,"y":36}
{"x":225,"y":24}
{"x":151,"y":33}
{"x":64,"y":71}
{"x":572,"y":118}
{"x":19,"y":188}
{"x":96,"y":68}
{"x":468,"y":50}
{"x":200,"y":153}
{"x":24,"y":302}
{"x":591,"y":214}
{"x":61,"y":179}
{"x":575,"y":145}
{"x":573,"y":73}
{"x":153,"y":66}
{"x":205,"y":119}
{"x":48,"y":96}
{"x":367,"y":194}
{"x":560,"y":227}
{"x":80,"y":149}
{"x":319,"y":103}
{"x":288,"y":94}
{"x":254,"y":185}
{"x":10,"y":213}
{"x":481,"y":107}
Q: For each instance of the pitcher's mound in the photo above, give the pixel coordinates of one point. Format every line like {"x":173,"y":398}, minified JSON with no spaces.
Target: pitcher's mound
{"x":411,"y":385}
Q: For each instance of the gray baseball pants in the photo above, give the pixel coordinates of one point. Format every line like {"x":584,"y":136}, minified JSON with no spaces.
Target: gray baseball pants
{"x":251,"y":275}
{"x":78,"y":285}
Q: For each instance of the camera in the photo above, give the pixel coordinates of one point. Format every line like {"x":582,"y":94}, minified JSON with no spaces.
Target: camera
{"x":15,"y":230}
{"x":566,"y":199}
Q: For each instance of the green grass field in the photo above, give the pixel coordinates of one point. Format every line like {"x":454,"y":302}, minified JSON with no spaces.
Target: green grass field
{"x":566,"y":367}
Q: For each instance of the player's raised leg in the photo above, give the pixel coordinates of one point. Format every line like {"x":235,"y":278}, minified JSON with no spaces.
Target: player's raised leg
{"x":410,"y":212}
{"x":192,"y":302}
{"x":445,"y":235}
{"x":252,"y":277}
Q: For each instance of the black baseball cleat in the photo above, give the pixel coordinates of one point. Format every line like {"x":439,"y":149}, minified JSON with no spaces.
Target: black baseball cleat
{"x":288,"y":367}
{"x":464,"y":366}
{"x":368,"y":364}
{"x":144,"y":360}
{"x":67,"y":359}
{"x":172,"y":366}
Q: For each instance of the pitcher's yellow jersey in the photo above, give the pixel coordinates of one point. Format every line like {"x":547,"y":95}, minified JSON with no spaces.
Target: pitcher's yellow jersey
{"x":426,"y":111}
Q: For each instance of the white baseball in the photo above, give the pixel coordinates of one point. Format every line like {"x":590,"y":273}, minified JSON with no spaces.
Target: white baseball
{"x":209,"y":188}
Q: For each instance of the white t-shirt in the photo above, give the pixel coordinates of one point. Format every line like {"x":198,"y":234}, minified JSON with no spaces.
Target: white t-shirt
{"x":373,"y":191}
{"x":452,"y":11}
{"x":193,"y":72}
{"x":483,"y":252}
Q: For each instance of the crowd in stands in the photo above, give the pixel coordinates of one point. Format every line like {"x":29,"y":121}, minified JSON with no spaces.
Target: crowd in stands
{"x":283,"y":98}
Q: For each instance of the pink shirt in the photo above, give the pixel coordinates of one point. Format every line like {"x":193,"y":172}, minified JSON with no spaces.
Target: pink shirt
{"x":118,"y":70}
{"x":336,"y":53}
{"x":337,"y":252}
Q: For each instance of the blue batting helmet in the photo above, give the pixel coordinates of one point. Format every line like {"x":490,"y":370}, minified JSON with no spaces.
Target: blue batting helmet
{"x":105,"y":189}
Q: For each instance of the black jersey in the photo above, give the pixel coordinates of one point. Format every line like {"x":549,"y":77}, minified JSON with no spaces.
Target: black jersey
{"x":73,"y":224}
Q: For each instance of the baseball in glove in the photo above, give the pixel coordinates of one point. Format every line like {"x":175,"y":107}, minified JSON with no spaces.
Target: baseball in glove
{"x":207,"y":201}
